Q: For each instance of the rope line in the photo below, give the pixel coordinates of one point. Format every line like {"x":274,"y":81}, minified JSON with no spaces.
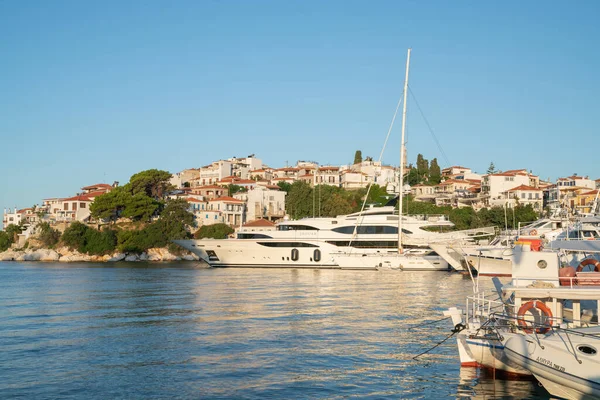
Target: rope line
{"x":437,"y":142}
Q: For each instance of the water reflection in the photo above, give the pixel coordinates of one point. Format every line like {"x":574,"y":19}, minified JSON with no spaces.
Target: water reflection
{"x":172,"y":330}
{"x":483,"y":384}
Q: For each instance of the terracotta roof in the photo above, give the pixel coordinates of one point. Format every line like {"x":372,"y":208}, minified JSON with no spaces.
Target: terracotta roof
{"x":95,"y":193}
{"x":285,"y":178}
{"x":99,"y":185}
{"x":260,"y":222}
{"x":227,"y":199}
{"x":455,"y":166}
{"x":193,"y":200}
{"x":332,"y":168}
{"x":593,"y":192}
{"x":449,"y":181}
{"x":209,"y":187}
{"x":289,"y":169}
{"x":81,"y":197}
{"x":524,"y":187}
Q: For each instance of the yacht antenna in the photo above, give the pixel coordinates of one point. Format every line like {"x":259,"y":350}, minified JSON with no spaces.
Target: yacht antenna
{"x":402,"y":161}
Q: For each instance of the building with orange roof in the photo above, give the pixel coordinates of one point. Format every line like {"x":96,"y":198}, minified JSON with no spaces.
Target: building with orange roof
{"x":495,"y":186}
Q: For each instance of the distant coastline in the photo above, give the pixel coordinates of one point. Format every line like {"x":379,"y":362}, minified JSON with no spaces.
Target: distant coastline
{"x":64,"y":254}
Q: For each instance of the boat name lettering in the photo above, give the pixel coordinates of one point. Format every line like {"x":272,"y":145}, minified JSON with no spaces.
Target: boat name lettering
{"x":550,"y":364}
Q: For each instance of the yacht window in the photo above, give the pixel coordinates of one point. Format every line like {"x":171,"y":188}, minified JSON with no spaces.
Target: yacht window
{"x":586,"y":349}
{"x":253,"y":236}
{"x":296,"y":228}
{"x":365,"y":244}
{"x":286,"y":244}
{"x":368,"y":229}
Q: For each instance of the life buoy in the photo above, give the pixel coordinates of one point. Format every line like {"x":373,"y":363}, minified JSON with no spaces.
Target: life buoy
{"x":589,"y":261}
{"x":533,"y":232}
{"x":542,"y":308}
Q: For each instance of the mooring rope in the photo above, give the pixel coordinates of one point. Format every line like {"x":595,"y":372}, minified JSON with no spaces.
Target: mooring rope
{"x":457,"y":328}
{"x":429,"y":323}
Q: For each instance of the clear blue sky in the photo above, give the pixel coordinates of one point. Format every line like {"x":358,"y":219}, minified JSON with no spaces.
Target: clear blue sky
{"x":94,"y":92}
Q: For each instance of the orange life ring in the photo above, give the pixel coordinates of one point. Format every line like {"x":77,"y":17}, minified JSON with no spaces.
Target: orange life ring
{"x":543,"y":309}
{"x":589,"y":261}
{"x":533,"y":232}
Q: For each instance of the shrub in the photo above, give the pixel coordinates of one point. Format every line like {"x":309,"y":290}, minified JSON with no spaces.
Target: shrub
{"x":88,"y":240}
{"x":216,"y":231}
{"x":48,"y":236}
{"x":5,"y":241}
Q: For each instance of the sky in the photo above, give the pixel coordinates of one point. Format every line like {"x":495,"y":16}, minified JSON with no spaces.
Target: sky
{"x":94,"y":92}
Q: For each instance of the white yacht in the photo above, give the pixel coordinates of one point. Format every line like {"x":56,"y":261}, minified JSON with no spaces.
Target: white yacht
{"x":317,"y":242}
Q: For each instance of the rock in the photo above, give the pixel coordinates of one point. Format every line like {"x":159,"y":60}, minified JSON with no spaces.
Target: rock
{"x":116,"y":257}
{"x":143,"y":257}
{"x":190,"y":257}
{"x":131,"y":257}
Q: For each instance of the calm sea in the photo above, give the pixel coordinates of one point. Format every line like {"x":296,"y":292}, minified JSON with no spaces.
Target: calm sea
{"x":134,"y":330}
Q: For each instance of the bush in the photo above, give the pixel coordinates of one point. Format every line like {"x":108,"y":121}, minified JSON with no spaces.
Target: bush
{"x":88,"y":240}
{"x":216,"y":231}
{"x":74,"y":236}
{"x":5,"y":241}
{"x":48,"y":236}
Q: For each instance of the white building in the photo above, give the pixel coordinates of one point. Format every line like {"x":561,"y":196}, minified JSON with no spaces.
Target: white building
{"x":241,"y":167}
{"x":495,"y":186}
{"x":212,"y":173}
{"x":525,"y":195}
{"x":263,"y":203}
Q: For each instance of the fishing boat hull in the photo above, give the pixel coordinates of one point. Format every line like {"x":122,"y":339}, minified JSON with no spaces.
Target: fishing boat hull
{"x":566,"y":365}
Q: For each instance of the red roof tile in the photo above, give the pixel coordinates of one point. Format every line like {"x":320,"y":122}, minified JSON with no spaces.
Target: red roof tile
{"x":524,"y":187}
{"x":227,"y":199}
{"x":260,"y":222}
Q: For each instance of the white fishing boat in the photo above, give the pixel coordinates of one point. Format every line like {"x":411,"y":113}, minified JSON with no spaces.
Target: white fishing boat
{"x":543,"y":292}
{"x":565,"y":361}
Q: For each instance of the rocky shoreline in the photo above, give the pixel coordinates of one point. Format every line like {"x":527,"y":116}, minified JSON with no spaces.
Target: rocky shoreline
{"x":63,"y":254}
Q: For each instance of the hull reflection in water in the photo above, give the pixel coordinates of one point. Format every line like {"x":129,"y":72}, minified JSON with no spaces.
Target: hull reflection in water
{"x":483,"y":384}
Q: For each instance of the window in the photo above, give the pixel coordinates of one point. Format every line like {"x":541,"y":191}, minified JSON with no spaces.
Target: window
{"x":522,"y":195}
{"x":66,"y":206}
{"x":530,"y":196}
{"x":81,"y":205}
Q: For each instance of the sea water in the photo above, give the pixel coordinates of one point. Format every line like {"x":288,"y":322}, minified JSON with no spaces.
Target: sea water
{"x":179,"y":331}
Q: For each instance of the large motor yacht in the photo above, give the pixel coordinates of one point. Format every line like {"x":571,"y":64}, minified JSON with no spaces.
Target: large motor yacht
{"x":315,"y":242}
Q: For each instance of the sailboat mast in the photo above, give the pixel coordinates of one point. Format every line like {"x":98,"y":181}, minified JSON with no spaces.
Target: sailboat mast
{"x":402,"y":161}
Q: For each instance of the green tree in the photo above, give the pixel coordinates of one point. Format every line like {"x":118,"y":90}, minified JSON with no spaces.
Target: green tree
{"x":491,"y":169}
{"x":233,"y":189}
{"x":299,"y":200}
{"x":74,"y":236}
{"x":48,"y":236}
{"x":215,"y":231}
{"x":285,"y":186}
{"x":377,"y":195}
{"x":435,"y":173}
{"x":175,"y":219}
{"x":110,"y":205}
{"x":13,"y":232}
{"x":5,"y":241}
{"x":153,"y":183}
{"x":335,"y":205}
{"x":140,"y":207}
{"x":412,"y":178}
{"x":422,"y":168}
{"x":357,"y":157}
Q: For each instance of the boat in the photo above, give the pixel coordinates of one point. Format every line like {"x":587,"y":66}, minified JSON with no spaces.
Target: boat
{"x":544,"y":292}
{"x":565,"y":361}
